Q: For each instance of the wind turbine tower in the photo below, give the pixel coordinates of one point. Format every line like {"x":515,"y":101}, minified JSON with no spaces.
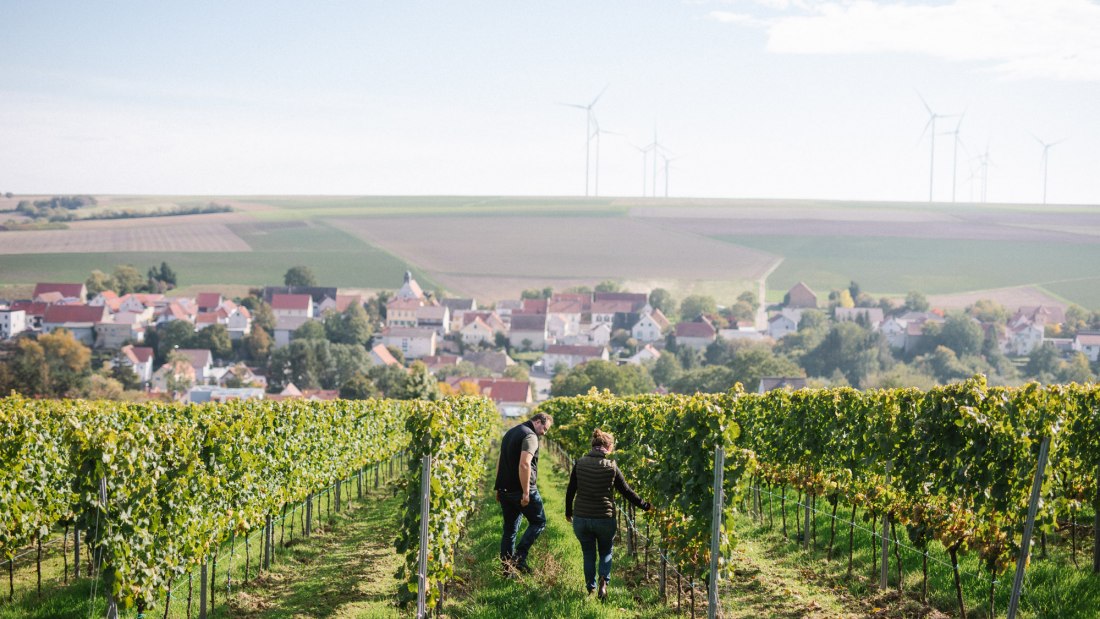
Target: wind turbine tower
{"x":932,"y":116}
{"x":1046,"y":157}
{"x":955,"y":161}
{"x":589,"y":121}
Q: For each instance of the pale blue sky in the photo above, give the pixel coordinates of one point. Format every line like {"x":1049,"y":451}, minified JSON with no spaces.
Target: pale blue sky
{"x":754,"y":98}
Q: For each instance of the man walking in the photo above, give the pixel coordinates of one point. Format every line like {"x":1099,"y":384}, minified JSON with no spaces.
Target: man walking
{"x":517,"y":472}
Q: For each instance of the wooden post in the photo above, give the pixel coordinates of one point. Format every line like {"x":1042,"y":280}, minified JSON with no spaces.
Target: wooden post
{"x":76,"y":552}
{"x":202,"y":590}
{"x":112,"y":603}
{"x":663,"y":576}
{"x":1029,"y":525}
{"x":715,"y":532}
{"x":1096,"y":526}
{"x":425,"y":507}
{"x":884,"y":575}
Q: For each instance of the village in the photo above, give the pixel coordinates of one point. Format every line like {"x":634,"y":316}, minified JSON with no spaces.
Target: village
{"x":508,"y":351}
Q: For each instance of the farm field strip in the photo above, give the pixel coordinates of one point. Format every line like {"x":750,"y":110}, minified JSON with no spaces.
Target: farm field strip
{"x":184,"y":237}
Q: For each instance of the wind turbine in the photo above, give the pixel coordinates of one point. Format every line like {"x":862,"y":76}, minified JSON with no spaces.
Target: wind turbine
{"x":596,"y":133}
{"x":955,"y":161}
{"x":656,"y":147}
{"x":932,"y":116}
{"x":589,"y":119}
{"x":644,"y":150}
{"x":668,"y":160}
{"x":1046,"y":153}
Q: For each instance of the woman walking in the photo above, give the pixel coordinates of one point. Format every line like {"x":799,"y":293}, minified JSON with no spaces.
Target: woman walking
{"x":593,"y":483}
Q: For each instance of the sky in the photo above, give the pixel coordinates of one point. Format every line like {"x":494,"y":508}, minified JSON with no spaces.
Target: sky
{"x":746,"y":98}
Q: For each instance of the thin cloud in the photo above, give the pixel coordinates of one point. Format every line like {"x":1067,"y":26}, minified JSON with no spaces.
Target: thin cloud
{"x":1020,"y":39}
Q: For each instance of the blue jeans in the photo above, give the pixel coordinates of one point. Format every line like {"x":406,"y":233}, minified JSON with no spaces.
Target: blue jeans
{"x":595,"y":535}
{"x":512,"y":510}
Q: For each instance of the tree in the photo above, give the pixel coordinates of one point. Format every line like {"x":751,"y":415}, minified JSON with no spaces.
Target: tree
{"x":421,"y":384}
{"x":31,"y":376}
{"x":215,"y":338}
{"x":618,"y":379}
{"x":1042,"y":360}
{"x":608,"y":286}
{"x":390,"y":379}
{"x":263,"y":316}
{"x":257,"y":345}
{"x":68,"y":363}
{"x":127,"y":279}
{"x":125,"y":376}
{"x":842,"y":298}
{"x":102,"y":387}
{"x":666,"y":369}
{"x":697,"y":305}
{"x":849,"y":348}
{"x":339,"y":363}
{"x":987,"y":310}
{"x":916,"y":302}
{"x":97,"y":282}
{"x":712,"y":379}
{"x":1075,"y":370}
{"x":299,"y":276}
{"x":853,"y":289}
{"x":167,"y":275}
{"x":359,"y":388}
{"x":518,"y":371}
{"x":962,"y":334}
{"x":173,"y":335}
{"x":752,"y":362}
{"x":661,"y":299}
{"x":352,"y":326}
{"x":310,"y":330}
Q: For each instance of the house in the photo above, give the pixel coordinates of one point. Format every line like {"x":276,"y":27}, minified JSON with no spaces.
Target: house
{"x":176,"y":376}
{"x":412,"y":342}
{"x":561,"y":327}
{"x":238,"y":321}
{"x":316,"y":293}
{"x":117,"y":330}
{"x":79,"y":320}
{"x":528,"y":331}
{"x":175,"y":310}
{"x":434,"y":363}
{"x":894,"y":329}
{"x":1039,"y":314}
{"x":208,"y":301}
{"x":598,"y":334}
{"x":770,"y":383}
{"x":784,"y":323}
{"x":214,"y":393}
{"x":492,"y":360}
{"x":645,"y":354}
{"x":1088,"y":343}
{"x":285,"y":326}
{"x":743,"y":334}
{"x":614,"y":312}
{"x":569,"y":357}
{"x":200,"y":359}
{"x":402,"y":312}
{"x":338,"y":304}
{"x":513,"y":398}
{"x":636,"y":301}
{"x":436,"y":317}
{"x":1024,"y":338}
{"x":12,"y":322}
{"x":476,"y":332}
{"x":800,"y":296}
{"x":66,"y":291}
{"x":870,"y":316}
{"x":457,"y":307}
{"x":650,"y":327}
{"x":410,"y":289}
{"x":292,"y":305}
{"x":380,"y":355}
{"x":507,"y":307}
{"x":34,"y":312}
{"x":239,"y":374}
{"x":697,"y":335}
{"x":139,"y":359}
{"x":569,"y":310}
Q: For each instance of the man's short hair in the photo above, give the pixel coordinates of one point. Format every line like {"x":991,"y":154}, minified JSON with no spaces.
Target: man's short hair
{"x":542,"y":418}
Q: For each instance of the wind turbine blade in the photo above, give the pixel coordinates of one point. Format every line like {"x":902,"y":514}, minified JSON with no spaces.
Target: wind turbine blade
{"x":1042,"y":143}
{"x":925,"y":103}
{"x":599,"y":95}
{"x":580,"y":107}
{"x":959,"y":124}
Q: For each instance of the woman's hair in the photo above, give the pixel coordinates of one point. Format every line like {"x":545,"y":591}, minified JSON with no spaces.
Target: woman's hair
{"x":603,"y":439}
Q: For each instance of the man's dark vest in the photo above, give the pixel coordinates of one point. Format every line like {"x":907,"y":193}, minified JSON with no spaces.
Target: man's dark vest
{"x":510,"y":447}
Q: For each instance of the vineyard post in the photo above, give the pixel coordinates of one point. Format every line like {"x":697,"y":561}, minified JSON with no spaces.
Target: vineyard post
{"x":1096,"y":526}
{"x":425,"y":508}
{"x":1025,"y":543}
{"x":884,"y":575}
{"x":716,"y":531}
{"x":112,"y":603}
{"x":76,"y":552}
{"x":267,"y":542}
{"x":663,"y":577}
{"x":806,"y":523}
{"x":202,"y":590}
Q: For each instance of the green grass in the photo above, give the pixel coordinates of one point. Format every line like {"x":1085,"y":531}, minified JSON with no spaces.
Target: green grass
{"x":345,"y":569}
{"x":932,"y":266}
{"x":336,"y":258}
{"x":1053,"y":586}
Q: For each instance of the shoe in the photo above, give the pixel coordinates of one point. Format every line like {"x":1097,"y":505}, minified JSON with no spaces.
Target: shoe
{"x":508,"y":569}
{"x":602,"y":591}
{"x":591,"y":590}
{"x":523,"y":568}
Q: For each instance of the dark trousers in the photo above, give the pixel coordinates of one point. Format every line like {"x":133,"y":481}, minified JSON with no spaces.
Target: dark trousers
{"x":596,"y":536}
{"x":513,"y":511}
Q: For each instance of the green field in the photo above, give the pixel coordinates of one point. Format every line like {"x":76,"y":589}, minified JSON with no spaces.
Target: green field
{"x":336,"y":258}
{"x":894,"y":266}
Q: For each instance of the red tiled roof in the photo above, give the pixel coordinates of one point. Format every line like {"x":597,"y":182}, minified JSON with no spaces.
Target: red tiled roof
{"x":499,"y":390}
{"x":399,"y":303}
{"x":32,"y":308}
{"x":533,"y":306}
{"x":384,"y":355}
{"x":695,"y":329}
{"x":61,"y":314}
{"x":137,"y":354}
{"x":66,"y":290}
{"x":344,"y":301}
{"x":208,"y":300}
{"x":291,"y":301}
